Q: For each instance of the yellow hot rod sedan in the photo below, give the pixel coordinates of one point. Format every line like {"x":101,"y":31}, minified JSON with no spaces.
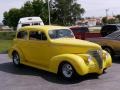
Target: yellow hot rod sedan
{"x":55,"y":49}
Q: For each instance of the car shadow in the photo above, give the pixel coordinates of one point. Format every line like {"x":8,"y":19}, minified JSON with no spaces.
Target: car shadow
{"x":26,"y":70}
{"x":116,"y":59}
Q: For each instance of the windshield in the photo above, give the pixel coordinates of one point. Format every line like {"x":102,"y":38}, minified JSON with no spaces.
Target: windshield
{"x":119,"y":27}
{"x":114,"y":34}
{"x":60,"y":33}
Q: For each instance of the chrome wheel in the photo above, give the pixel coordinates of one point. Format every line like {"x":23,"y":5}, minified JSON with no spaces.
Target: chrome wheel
{"x":67,"y":70}
{"x":16,"y":59}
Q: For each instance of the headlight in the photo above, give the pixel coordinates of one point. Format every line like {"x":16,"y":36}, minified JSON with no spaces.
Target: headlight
{"x":89,"y":58}
{"x":105,"y":55}
{"x":100,"y":52}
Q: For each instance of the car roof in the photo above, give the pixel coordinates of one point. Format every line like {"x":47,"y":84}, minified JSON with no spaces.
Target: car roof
{"x":43,"y":28}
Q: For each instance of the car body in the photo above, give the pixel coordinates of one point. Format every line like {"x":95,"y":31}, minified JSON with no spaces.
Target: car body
{"x":83,"y":32}
{"x":51,"y":48}
{"x":79,"y":32}
{"x":109,"y":28}
{"x":110,"y":43}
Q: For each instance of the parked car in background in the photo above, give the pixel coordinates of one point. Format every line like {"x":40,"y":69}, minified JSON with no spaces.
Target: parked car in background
{"x":108,"y":29}
{"x":29,"y":21}
{"x":79,"y":32}
{"x":110,"y":43}
{"x":83,"y":32}
{"x":55,"y":49}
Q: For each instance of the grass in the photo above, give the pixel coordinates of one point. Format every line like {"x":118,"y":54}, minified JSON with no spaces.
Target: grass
{"x":7,"y":35}
{"x":5,"y":45}
{"x":6,"y":40}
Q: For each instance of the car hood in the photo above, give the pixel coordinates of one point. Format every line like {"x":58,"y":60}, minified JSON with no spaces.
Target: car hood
{"x":96,"y":40}
{"x":75,"y":45}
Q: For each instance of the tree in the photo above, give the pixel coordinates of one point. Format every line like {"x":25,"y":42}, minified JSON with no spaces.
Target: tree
{"x":111,"y":21}
{"x":27,"y":10}
{"x":5,"y":20}
{"x":41,"y":9}
{"x":11,"y":18}
{"x":118,"y":18}
{"x":104,"y":20}
{"x":65,"y":12}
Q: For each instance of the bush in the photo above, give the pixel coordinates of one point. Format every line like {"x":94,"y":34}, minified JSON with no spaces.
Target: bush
{"x":7,"y":35}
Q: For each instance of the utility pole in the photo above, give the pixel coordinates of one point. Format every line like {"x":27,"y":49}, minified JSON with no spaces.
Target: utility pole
{"x":106,"y":10}
{"x":49,"y":12}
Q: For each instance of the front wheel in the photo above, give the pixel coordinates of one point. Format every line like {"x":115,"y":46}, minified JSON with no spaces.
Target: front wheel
{"x":67,"y":71}
{"x":16,"y":59}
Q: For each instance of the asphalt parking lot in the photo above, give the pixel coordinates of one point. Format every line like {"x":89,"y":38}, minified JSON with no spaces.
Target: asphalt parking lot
{"x":27,"y":78}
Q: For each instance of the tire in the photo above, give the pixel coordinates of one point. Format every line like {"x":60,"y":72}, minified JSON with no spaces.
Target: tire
{"x":16,"y":59}
{"x":109,"y":50}
{"x":67,"y":71}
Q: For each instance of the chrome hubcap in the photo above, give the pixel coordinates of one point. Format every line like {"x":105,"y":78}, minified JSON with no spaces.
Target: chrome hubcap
{"x":67,"y":70}
{"x":16,"y":59}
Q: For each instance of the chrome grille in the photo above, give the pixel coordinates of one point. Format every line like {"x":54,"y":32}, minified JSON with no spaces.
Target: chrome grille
{"x":97,"y":55}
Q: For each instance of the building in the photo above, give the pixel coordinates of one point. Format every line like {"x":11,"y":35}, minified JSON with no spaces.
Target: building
{"x":89,"y":22}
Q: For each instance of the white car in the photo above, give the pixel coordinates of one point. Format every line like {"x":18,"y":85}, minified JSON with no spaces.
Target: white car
{"x":29,"y":21}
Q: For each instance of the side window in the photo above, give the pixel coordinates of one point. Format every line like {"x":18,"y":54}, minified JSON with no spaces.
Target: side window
{"x":25,"y":25}
{"x":22,"y":35}
{"x":118,"y":36}
{"x":37,"y":35}
{"x":112,"y":28}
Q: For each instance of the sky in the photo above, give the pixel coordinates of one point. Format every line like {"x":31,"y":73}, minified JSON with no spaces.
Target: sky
{"x":94,"y":8}
{"x":97,"y":7}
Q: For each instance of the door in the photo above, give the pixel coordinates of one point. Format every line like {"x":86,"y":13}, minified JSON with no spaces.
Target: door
{"x":38,"y":48}
{"x":21,"y":42}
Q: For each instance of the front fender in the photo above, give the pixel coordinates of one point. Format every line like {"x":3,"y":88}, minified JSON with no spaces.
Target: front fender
{"x":76,"y":61}
{"x":107,"y":60}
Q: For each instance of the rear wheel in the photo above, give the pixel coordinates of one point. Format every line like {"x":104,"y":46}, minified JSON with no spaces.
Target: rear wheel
{"x":67,"y":71}
{"x":16,"y":59}
{"x":109,"y":50}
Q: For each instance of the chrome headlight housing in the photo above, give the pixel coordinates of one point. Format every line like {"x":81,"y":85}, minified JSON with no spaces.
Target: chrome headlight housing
{"x":97,"y":54}
{"x":99,"y":51}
